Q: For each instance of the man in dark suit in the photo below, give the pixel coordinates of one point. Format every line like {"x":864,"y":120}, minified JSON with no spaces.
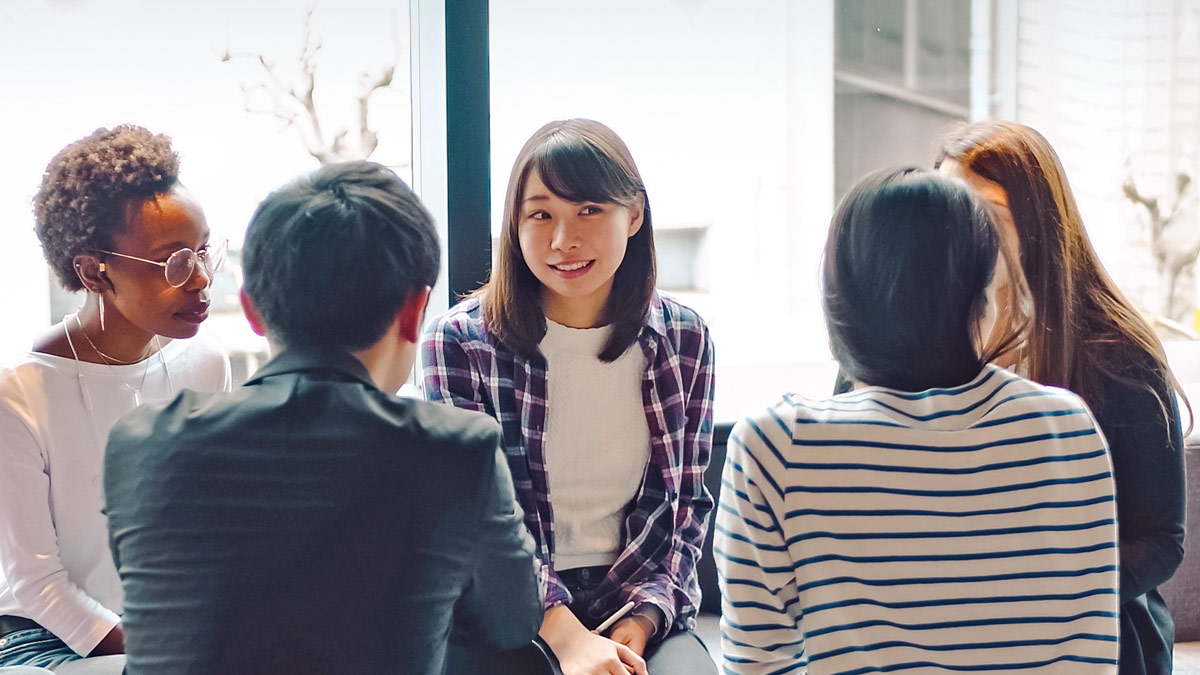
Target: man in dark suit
{"x":310,"y":521}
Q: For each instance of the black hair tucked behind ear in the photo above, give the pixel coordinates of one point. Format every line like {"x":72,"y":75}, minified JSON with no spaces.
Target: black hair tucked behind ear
{"x":907,"y":264}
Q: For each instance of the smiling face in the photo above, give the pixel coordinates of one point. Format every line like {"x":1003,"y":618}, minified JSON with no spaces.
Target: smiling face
{"x":574,"y":249}
{"x":138,"y":291}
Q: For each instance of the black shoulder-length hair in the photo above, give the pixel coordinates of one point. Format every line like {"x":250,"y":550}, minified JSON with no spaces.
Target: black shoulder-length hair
{"x":579,"y":160}
{"x":907,"y":265}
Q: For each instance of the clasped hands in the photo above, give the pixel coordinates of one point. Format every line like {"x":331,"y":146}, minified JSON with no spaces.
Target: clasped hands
{"x":581,"y":652}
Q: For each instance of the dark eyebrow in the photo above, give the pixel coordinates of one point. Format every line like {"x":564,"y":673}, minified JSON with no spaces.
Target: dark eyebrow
{"x":536,"y":198}
{"x":168,"y":248}
{"x":171,"y":247}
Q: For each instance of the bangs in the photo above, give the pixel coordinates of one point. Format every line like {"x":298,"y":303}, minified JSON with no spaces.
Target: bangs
{"x":578,"y":160}
{"x":577,"y":171}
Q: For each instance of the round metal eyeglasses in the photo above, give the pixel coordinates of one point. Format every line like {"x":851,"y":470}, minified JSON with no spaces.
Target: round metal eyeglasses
{"x":181,"y":264}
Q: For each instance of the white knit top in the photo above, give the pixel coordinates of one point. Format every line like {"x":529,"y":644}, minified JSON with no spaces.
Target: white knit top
{"x":597,"y":443}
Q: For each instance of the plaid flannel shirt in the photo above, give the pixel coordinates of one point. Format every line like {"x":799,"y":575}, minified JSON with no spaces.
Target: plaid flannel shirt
{"x":664,"y":529}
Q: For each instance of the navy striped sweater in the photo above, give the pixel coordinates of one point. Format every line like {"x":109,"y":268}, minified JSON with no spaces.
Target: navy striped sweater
{"x":970,"y":529}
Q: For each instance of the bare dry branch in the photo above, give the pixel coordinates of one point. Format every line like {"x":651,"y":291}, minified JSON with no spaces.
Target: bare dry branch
{"x":1174,"y":259}
{"x":294,"y":102}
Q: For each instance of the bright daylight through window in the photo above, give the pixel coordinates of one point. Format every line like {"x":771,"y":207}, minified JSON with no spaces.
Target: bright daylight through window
{"x":748,"y":119}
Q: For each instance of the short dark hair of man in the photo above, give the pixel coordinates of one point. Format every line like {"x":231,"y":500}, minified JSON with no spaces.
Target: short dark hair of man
{"x":87,"y":186}
{"x":907,"y":265}
{"x":332,"y":256}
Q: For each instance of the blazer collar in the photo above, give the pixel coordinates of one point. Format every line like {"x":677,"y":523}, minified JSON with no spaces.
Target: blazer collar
{"x":312,"y":360}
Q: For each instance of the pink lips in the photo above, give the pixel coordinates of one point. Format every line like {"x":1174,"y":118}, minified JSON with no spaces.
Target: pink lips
{"x":574,"y":273}
{"x":195,"y":314}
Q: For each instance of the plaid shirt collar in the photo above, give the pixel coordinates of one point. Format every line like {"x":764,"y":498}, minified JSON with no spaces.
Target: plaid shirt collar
{"x":667,"y":521}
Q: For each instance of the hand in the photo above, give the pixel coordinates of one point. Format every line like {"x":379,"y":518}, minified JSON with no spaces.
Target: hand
{"x":591,"y":654}
{"x":581,"y":652}
{"x":633,"y":632}
{"x":113,"y":643}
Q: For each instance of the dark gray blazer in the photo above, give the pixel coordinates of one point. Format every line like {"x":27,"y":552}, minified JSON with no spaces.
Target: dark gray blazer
{"x":310,"y":523}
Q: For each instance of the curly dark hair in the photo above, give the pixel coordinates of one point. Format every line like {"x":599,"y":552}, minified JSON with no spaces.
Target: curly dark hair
{"x":86,"y":187}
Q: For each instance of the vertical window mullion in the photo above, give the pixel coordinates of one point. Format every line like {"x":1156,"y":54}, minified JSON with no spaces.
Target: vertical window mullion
{"x":468,"y":146}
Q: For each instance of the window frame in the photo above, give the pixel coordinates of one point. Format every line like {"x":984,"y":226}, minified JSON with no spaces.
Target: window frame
{"x":451,"y":138}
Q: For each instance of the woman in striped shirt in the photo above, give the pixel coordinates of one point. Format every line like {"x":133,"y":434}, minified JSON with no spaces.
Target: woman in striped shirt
{"x":946,"y":515}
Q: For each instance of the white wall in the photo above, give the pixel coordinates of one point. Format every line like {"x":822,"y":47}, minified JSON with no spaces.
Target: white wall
{"x":727,"y":108}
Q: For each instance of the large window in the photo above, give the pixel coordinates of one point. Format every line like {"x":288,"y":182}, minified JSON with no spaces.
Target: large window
{"x":193,"y":71}
{"x":747,"y":118}
{"x":728,"y":110}
{"x":901,"y":76}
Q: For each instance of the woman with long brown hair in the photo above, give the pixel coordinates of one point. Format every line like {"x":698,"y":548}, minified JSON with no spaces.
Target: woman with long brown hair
{"x":1087,"y":336}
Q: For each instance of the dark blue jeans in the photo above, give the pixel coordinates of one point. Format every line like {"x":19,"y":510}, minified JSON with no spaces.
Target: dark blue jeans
{"x":34,"y":647}
{"x":680,"y":653}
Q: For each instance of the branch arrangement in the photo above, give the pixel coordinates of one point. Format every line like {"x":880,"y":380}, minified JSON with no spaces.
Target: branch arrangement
{"x":1172,"y":258}
{"x":294,"y":105}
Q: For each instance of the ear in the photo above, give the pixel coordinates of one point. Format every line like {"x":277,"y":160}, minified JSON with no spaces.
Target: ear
{"x":638,"y":209}
{"x":411,"y":316}
{"x":251,"y":313}
{"x":91,"y":273}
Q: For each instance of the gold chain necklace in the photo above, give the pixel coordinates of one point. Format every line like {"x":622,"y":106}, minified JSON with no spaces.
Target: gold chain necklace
{"x":109,"y":359}
{"x":85,"y":394}
{"x":135,"y":391}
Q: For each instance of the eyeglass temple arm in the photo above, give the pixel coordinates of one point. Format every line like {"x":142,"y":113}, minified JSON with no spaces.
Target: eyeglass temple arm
{"x":132,"y":257}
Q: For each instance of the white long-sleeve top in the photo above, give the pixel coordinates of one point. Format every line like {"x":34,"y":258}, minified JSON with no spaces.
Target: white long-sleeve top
{"x":55,"y":563}
{"x":962,"y":529}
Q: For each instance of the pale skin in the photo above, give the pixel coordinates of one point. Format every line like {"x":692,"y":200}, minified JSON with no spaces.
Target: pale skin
{"x":557,"y":235}
{"x":574,"y":249}
{"x":996,"y":197}
{"x":581,"y":652}
{"x":998,"y":292}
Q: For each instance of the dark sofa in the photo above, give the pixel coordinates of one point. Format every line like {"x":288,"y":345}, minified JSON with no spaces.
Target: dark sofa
{"x":1182,"y":592}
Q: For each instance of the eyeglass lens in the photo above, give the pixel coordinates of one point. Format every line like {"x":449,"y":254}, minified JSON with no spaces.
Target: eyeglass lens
{"x":182,"y":263}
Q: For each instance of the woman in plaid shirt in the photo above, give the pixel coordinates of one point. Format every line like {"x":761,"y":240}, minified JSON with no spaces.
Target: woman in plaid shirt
{"x":604,"y":391}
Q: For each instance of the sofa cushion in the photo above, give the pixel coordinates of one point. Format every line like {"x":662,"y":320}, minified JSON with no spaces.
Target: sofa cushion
{"x":1182,"y":591}
{"x":706,"y":569}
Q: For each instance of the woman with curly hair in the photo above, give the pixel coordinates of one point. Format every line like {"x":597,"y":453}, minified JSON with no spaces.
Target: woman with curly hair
{"x":115,"y":222}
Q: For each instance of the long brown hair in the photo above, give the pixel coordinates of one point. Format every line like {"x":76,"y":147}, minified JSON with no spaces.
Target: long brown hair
{"x":578,"y":160}
{"x":1081,"y":320}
